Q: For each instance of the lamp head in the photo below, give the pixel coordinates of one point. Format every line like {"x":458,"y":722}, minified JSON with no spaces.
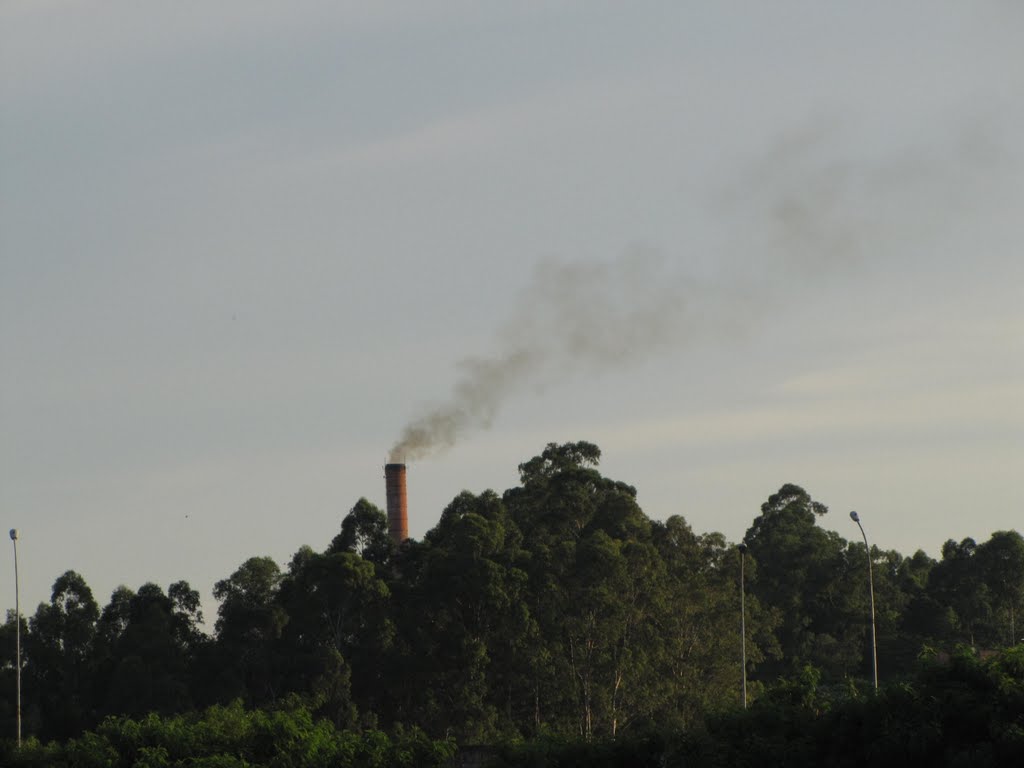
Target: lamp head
{"x":742,"y":548}
{"x":854,"y":517}
{"x":14,"y":534}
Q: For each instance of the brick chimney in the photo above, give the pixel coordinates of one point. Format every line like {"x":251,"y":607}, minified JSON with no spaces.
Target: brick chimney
{"x":398,"y":503}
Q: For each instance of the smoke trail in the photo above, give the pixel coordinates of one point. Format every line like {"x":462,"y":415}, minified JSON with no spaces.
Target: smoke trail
{"x":572,"y":317}
{"x":808,"y":214}
{"x":588,"y":317}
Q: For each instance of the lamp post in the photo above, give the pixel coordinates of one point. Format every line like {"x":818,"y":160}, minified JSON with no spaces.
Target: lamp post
{"x":17,"y":640}
{"x":743,"y":623}
{"x":871,"y":588}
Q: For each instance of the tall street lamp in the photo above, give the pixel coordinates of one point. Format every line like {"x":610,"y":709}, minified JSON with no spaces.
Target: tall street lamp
{"x":743,"y":623}
{"x":17,"y":639}
{"x":871,"y":588}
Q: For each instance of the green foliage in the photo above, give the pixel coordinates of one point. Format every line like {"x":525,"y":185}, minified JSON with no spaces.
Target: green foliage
{"x":249,"y":624}
{"x":811,"y":578}
{"x":555,"y":611}
{"x":32,"y":754}
{"x":701,"y":623}
{"x":338,"y":626}
{"x":597,"y":589}
{"x":59,"y":648}
{"x":365,"y":532}
{"x":232,"y":737}
{"x":466,"y":618}
{"x":962,"y":712}
{"x":146,"y":643}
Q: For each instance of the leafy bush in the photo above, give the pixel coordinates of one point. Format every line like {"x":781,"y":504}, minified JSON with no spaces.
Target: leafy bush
{"x":232,"y":737}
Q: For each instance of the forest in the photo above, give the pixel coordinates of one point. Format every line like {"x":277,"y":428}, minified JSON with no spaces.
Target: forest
{"x":556,"y":612}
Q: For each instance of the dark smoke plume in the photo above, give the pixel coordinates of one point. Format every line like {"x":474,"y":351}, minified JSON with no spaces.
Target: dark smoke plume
{"x":573,"y":317}
{"x":801,"y":215}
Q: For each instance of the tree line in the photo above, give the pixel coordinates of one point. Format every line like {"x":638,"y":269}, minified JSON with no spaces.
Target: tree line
{"x":961,"y":711}
{"x":556,"y":609}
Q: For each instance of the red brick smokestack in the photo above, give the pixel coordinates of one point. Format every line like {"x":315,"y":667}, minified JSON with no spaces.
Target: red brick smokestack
{"x":398,"y":502}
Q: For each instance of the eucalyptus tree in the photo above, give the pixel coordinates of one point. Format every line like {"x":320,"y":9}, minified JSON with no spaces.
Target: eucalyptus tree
{"x":338,"y":630}
{"x":364,"y":531}
{"x":464,"y":625}
{"x":146,"y":644}
{"x":983,"y":584}
{"x":250,"y":619}
{"x":597,"y":590}
{"x":1002,"y":570}
{"x":957,"y":583}
{"x":59,"y":649}
{"x":703,"y":621}
{"x":804,"y":572}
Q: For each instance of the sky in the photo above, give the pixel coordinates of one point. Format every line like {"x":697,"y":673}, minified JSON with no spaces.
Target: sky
{"x":249,"y":251}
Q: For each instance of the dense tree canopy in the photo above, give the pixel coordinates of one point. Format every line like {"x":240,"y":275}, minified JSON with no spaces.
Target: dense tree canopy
{"x":556,"y":608}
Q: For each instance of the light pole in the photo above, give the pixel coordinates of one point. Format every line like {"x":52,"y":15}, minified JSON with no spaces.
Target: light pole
{"x":743,"y":623}
{"x":17,"y":640}
{"x":871,"y":588}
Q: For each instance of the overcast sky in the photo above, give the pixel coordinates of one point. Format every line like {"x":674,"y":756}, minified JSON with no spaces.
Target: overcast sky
{"x":244,"y":246}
